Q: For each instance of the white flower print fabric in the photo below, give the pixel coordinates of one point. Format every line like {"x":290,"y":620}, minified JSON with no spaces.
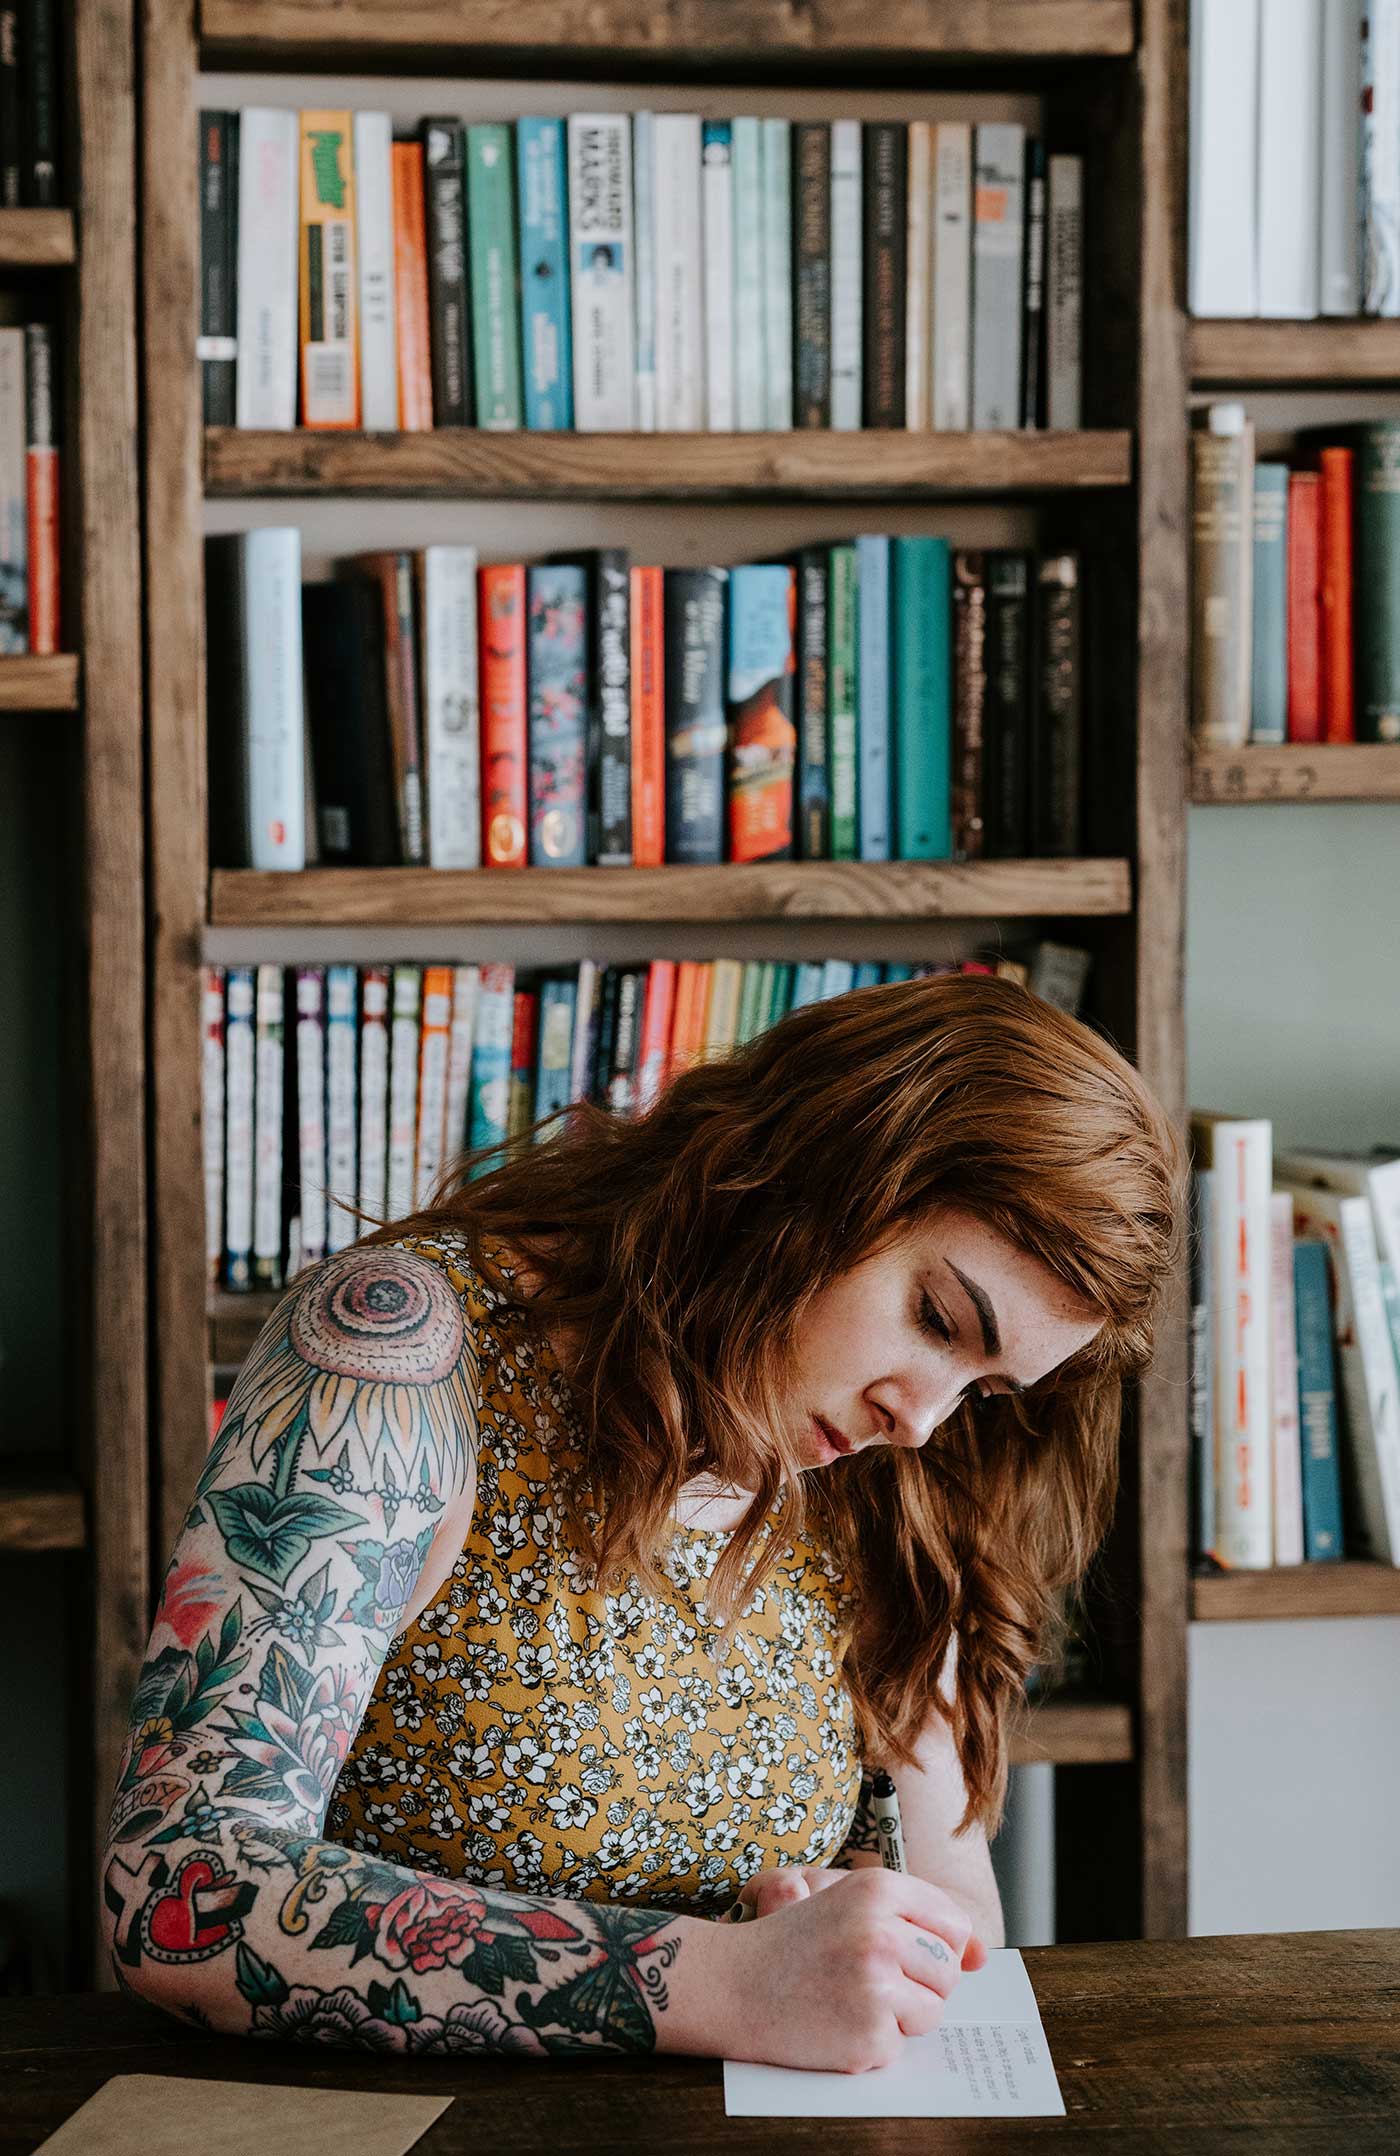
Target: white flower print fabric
{"x":532,"y":1732}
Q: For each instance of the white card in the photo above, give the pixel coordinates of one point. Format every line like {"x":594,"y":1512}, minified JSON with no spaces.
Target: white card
{"x":988,"y":2059}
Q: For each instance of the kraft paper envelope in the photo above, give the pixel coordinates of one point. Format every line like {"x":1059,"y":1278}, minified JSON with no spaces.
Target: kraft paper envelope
{"x":169,"y":2115}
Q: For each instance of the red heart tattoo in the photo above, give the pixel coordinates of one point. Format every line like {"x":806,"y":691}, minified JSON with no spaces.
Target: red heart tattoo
{"x":197,"y":1915}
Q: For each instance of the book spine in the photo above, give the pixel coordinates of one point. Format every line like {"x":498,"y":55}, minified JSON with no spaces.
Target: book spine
{"x":722,"y":1015}
{"x":556,"y":672}
{"x":621,"y":1081}
{"x":14,"y":497}
{"x":1057,"y":737}
{"x":1290,"y":123}
{"x":1317,"y":1403}
{"x":680,"y":314}
{"x":374,"y":1093}
{"x":546,"y":356}
{"x":241,"y":1065}
{"x":1033,"y":289}
{"x":884,"y":259}
{"x":1380,"y":172}
{"x":842,"y":702}
{"x":644,"y":223}
{"x":1287,"y":1449}
{"x":311,"y":1110}
{"x":433,"y":1050}
{"x":693,"y":701}
{"x":342,"y":629}
{"x":445,"y":240}
{"x":648,"y":720}
{"x":504,"y":707}
{"x":456,"y":1131}
{"x":846,"y":276}
{"x":374,"y":201}
{"x":969,"y":704}
{"x":212,"y":1119}
{"x":1222,"y":523}
{"x":1268,"y":721}
{"x":274,"y":720}
{"x":600,"y":237}
{"x":1240,"y":1156}
{"x":403,"y":1086}
{"x":777,"y":274}
{"x":556,"y":1035}
{"x":1064,"y":292}
{"x":267,"y":1131}
{"x":1203,"y":1462}
{"x":717,"y":155}
{"x":217,"y":347}
{"x":749,"y":401}
{"x":873,"y":695}
{"x":761,"y":689}
{"x":38,"y":52}
{"x":494,"y":276}
{"x":922,"y":699}
{"x":266,"y":386}
{"x":811,"y":253}
{"x":11,"y":148}
{"x":1007,"y":784}
{"x":1304,"y":614}
{"x":342,"y":1042}
{"x":997,"y":247}
{"x":838,"y":979}
{"x":451,"y":707}
{"x":330,"y":356}
{"x":1222,"y":276}
{"x":41,"y":490}
{"x":1377,"y":576}
{"x":1339,"y":224}
{"x":584,"y":1044}
{"x":748,"y":1002}
{"x":412,"y":317}
{"x":1337,"y":489}
{"x":658,"y":1006}
{"x":918,"y":362}
{"x":520,"y":1099}
{"x":394,"y":576}
{"x":600,"y":1065}
{"x":813,"y":766}
{"x":952,"y":277}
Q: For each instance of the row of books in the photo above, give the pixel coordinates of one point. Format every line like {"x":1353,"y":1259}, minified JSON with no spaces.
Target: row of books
{"x":1295,"y":1385}
{"x":1295,"y":585}
{"x":1295,"y":158}
{"x":648,"y":271}
{"x":29,"y":541}
{"x":335,"y":1092}
{"x":31,"y":75}
{"x":880,"y":699}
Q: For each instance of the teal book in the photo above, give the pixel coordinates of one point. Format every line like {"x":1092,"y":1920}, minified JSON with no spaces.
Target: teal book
{"x":491,"y":1052}
{"x":894,"y":972}
{"x":751,"y":984}
{"x":807,"y":985}
{"x":838,"y":978}
{"x":494,"y":275}
{"x":556,"y":1032}
{"x":1268,"y":720}
{"x":843,"y":602}
{"x":873,"y":696}
{"x":1317,"y":1401}
{"x":784,"y":973}
{"x":1377,"y":579}
{"x":867,"y":976}
{"x":923,"y":699}
{"x":546,"y":350}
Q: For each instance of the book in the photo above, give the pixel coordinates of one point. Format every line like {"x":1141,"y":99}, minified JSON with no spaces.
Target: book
{"x":813,"y":778}
{"x":212,"y":1117}
{"x":1335,"y":577}
{"x":644,"y":269}
{"x":1056,"y":743}
{"x":14,"y":497}
{"x":1007,"y":734}
{"x":746,"y":153}
{"x":329,"y":285}
{"x":1304,"y":613}
{"x":603,"y":1036}
{"x":545,"y":340}
{"x":445,"y":240}
{"x":1222,"y":265}
{"x":969,"y":703}
{"x":760,"y":691}
{"x":1239,"y":1151}
{"x":997,"y":269}
{"x":625,"y":1046}
{"x":434,"y":1047}
{"x":1317,"y":1402}
{"x":374,"y":1095}
{"x":520,"y":1095}
{"x":347,"y":713}
{"x":1033,"y":287}
{"x":450,"y":704}
{"x":846,"y":332}
{"x":777,"y":274}
{"x":679,"y":273}
{"x":693,"y":702}
{"x":842,"y":682}
{"x":40,"y":100}
{"x":722,"y":1010}
{"x":1064,"y":291}
{"x":717,"y":229}
{"x":456,"y":1129}
{"x":267,"y":1128}
{"x":266,"y":382}
{"x":41,"y":462}
{"x":600,"y":272}
{"x":556,"y":672}
{"x":218,"y":264}
{"x":491,"y":1054}
{"x":240,"y":1055}
{"x":922,"y":665}
{"x":658,"y":1005}
{"x":556,"y":1025}
{"x":504,"y":716}
{"x":918,"y":289}
{"x":374,"y":251}
{"x":811,"y":268}
{"x":648,"y":717}
{"x":608,"y":691}
{"x":391,"y":575}
{"x":1339,"y":158}
{"x":1375,"y":572}
{"x":257,"y":787}
{"x":412,"y":311}
{"x":1059,"y":974}
{"x":1380,"y":177}
{"x":11,"y":142}
{"x":1268,"y":715}
{"x":884,"y":266}
{"x":874,"y":740}
{"x":311,"y":1112}
{"x":584,"y":1045}
{"x":1222,"y":559}
{"x":405,"y":1012}
{"x":342,"y":1045}
{"x":1287,"y":1445}
{"x":952,"y":277}
{"x":494,"y":275}
{"x":1290,"y":121}
{"x":1203,"y":1350}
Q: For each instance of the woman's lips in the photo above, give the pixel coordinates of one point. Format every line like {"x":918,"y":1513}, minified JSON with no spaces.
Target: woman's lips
{"x":833,"y":1436}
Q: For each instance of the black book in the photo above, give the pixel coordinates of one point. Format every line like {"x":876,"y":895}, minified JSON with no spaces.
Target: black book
{"x":445,"y":210}
{"x":811,"y":264}
{"x":1033,"y":288}
{"x":11,"y":145}
{"x":813,"y":792}
{"x":217,"y":268}
{"x":609,"y":694}
{"x":625,"y":1058}
{"x":884,"y":250}
{"x":342,"y":627}
{"x":39,"y":62}
{"x":606,"y":1034}
{"x":1057,"y":746}
{"x":696,"y":729}
{"x":1007,"y":740}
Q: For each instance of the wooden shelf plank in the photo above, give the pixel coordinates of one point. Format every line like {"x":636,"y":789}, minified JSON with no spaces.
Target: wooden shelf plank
{"x":773,"y":890}
{"x":30,"y":684}
{"x":1326,"y":771}
{"x":1279,"y":353}
{"x":1070,"y":1732}
{"x":235,"y":1320}
{"x":708,"y":35}
{"x":40,"y":1508}
{"x":806,"y":464}
{"x":1352,"y":1589}
{"x":37,"y":239}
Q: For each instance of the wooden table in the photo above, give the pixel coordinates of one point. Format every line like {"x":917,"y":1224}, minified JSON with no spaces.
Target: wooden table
{"x":1284,"y":2043}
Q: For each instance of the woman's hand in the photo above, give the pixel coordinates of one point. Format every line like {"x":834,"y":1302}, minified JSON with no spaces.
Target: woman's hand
{"x":776,"y":1886}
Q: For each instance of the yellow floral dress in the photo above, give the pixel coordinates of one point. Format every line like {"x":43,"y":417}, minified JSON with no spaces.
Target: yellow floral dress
{"x":531,"y":1732}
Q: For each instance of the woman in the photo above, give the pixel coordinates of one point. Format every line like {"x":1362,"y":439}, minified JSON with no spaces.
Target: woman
{"x":569,"y":1549}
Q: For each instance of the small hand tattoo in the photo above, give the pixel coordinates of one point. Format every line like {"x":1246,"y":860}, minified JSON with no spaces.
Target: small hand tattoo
{"x":936,"y":1947}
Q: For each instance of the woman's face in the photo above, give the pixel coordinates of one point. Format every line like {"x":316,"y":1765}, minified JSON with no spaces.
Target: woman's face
{"x":887,"y":1351}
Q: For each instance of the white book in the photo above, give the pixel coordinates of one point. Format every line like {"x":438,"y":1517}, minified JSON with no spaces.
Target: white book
{"x":1222,"y":272}
{"x":777,"y":273}
{"x":212,"y":1118}
{"x":1339,"y":154}
{"x":998,"y":226}
{"x":749,"y":400}
{"x":845,"y":274}
{"x":1288,"y":1443}
{"x":717,"y":189}
{"x":601,"y":271}
{"x":268,"y":1107}
{"x":262,"y":618}
{"x":1064,"y":292}
{"x":240,"y":1063}
{"x":451,"y":705}
{"x":918,"y":303}
{"x":342,"y":1044}
{"x":432,"y":1083}
{"x":374,"y":1095}
{"x":680,"y":271}
{"x":374,"y":213}
{"x":585,"y":1004}
{"x":1289,"y":145}
{"x":1355,"y":1175}
{"x":644,"y":283}
{"x":952,"y":277}
{"x":1240,"y":1152}
{"x":465,"y":983}
{"x":1380,"y":167}
{"x":265,"y":390}
{"x":14,"y":498}
{"x":403,"y":1087}
{"x":311,"y":1110}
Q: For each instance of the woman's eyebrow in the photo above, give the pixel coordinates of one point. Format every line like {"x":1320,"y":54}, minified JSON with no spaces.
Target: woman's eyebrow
{"x":981,"y":1303}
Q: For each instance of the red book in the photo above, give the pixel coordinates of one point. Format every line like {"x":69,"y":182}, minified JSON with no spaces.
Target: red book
{"x":1338,"y":707}
{"x":524,"y":1019}
{"x":1304,"y":612}
{"x":41,"y":462}
{"x":504,"y":721}
{"x":411,"y":288}
{"x":648,"y":719}
{"x":657,"y":1009}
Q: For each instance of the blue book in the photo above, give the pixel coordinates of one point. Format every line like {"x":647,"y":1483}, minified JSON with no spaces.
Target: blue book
{"x":838,"y":978}
{"x":897,"y":973}
{"x":1268,"y":719}
{"x":1317,"y":1401}
{"x":759,"y":691}
{"x":491,"y":1046}
{"x":807,"y":985}
{"x":867,"y":976}
{"x":558,"y":672}
{"x":923,"y":699}
{"x":873,"y":696}
{"x":546,"y":353}
{"x":552,"y":1071}
{"x":1202,"y":1362}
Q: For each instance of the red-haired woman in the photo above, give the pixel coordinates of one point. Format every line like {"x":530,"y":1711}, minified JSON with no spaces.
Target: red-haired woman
{"x":572,"y":1552}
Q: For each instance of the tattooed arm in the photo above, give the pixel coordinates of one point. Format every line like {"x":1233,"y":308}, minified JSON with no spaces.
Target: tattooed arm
{"x":350,"y":1433}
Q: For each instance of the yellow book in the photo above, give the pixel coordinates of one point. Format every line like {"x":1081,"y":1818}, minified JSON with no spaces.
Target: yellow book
{"x":722,"y":1017}
{"x":330,"y":359}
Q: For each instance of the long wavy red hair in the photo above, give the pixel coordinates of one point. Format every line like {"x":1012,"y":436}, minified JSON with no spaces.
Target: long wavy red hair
{"x":677,"y":1251}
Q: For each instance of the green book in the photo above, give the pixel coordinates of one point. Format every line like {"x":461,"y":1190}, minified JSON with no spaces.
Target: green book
{"x":782,"y":989}
{"x":1268,"y":719}
{"x":495,"y":297}
{"x":749,"y":988}
{"x":766,"y":994}
{"x":1377,"y":574}
{"x":842,"y":603}
{"x":923,"y":700}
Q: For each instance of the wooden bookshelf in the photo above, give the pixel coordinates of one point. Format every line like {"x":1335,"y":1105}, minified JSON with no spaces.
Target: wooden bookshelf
{"x":1328,"y":354}
{"x":1325,"y":771}
{"x":41,"y":1509}
{"x":1066,"y":1731}
{"x":33,"y":684}
{"x":1350,"y":1589}
{"x":37,"y":239}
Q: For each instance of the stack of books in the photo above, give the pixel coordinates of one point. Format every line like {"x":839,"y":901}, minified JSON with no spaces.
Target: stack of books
{"x":652,"y":271}
{"x":335,"y":1096}
{"x":31,"y":78}
{"x":879,"y":699}
{"x":29,"y":490}
{"x":1295,"y":1379}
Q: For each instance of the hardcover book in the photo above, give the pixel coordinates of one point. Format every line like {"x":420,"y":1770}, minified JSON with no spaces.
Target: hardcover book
{"x":445,"y":211}
{"x":762,"y":733}
{"x":558,"y":716}
{"x":693,"y":701}
{"x":546,"y":344}
{"x":504,"y":716}
{"x":811,"y":256}
{"x":494,"y":276}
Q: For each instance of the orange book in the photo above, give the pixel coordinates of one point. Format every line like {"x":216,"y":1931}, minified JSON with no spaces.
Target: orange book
{"x":1335,"y":587}
{"x":1304,"y":638}
{"x":411,"y":289}
{"x":658,"y":1008}
{"x":327,"y":274}
{"x":688,"y":1023}
{"x":433,"y":1042}
{"x":504,"y":728}
{"x":648,"y":720}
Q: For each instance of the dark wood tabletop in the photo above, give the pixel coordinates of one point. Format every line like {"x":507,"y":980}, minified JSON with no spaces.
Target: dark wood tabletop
{"x":1286,"y":2043}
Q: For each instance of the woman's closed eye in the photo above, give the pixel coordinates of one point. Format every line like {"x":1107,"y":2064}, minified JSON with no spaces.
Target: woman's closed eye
{"x":933,"y":1322}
